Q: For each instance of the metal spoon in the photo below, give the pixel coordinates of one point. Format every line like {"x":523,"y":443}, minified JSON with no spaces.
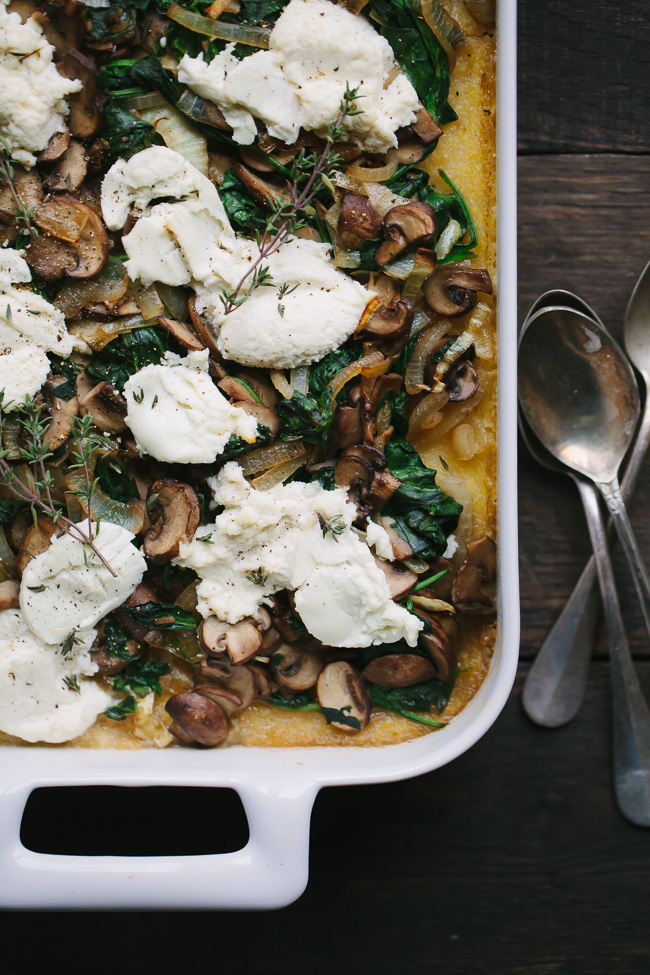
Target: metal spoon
{"x":573,"y":382}
{"x":555,"y":686}
{"x":556,"y":682}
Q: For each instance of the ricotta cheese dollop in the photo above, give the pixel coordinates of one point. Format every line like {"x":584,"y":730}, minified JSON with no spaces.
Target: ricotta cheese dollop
{"x":309,"y":309}
{"x":316,"y":48}
{"x":29,"y":327}
{"x":265,"y":541}
{"x":177,"y":414}
{"x":44,"y":694}
{"x":32,"y":92}
{"x":68,"y":588}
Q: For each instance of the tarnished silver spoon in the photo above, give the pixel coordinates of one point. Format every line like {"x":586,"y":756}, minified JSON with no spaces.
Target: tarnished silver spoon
{"x":578,"y":393}
{"x":556,"y":682}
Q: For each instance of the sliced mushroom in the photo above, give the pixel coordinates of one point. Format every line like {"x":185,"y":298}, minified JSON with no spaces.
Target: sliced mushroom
{"x":401,"y":549}
{"x":441,"y":650}
{"x":389,"y":323}
{"x":236,"y":390}
{"x":461,"y":381}
{"x":70,"y":171}
{"x":63,"y":413}
{"x":107,"y":407}
{"x":260,"y":383}
{"x":74,"y":240}
{"x":181,"y":332}
{"x":467,"y":592}
{"x":358,"y":221}
{"x":362,"y":469}
{"x":259,"y":189}
{"x":55,"y":148}
{"x":425,"y":126}
{"x":400,"y":579}
{"x":29,"y":190}
{"x":85,"y":116}
{"x":175,"y":513}
{"x":384,"y":486}
{"x":197,"y":719}
{"x":405,"y":225}
{"x":265,"y":417}
{"x":240,"y":641}
{"x":19,"y":527}
{"x":451,"y":291}
{"x":296,"y":669}
{"x":399,"y":670}
{"x":263,"y":685}
{"x":207,"y":336}
{"x":9,"y":594}
{"x":234,"y":691}
{"x":341,"y":688}
{"x":347,"y":428}
{"x":37,"y":540}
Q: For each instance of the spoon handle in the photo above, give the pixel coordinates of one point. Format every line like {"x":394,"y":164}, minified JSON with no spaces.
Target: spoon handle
{"x":611,"y":492}
{"x":631,"y":718}
{"x":557,"y":679}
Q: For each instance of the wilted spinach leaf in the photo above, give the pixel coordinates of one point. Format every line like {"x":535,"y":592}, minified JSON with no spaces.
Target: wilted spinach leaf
{"x":114,"y":481}
{"x":334,"y":714}
{"x":418,"y":697}
{"x":299,"y":702}
{"x":119,"y":711}
{"x":141,"y":676}
{"x":128,"y":77}
{"x":160,"y":616}
{"x":115,"y":639}
{"x":125,"y":134}
{"x":9,"y":510}
{"x":244,"y":212}
{"x":127,"y":354}
{"x":323,"y":372}
{"x":261,"y":11}
{"x":305,"y":417}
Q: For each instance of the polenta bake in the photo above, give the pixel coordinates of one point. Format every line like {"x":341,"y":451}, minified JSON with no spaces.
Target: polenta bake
{"x":248,"y":370}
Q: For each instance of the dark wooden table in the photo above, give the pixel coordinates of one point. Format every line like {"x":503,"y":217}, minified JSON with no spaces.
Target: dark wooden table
{"x":513,"y":860}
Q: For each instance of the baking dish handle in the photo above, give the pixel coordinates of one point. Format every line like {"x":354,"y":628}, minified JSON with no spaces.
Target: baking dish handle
{"x":269,"y":872}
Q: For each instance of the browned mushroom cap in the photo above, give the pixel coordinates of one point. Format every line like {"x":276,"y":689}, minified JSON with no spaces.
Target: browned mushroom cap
{"x":461,"y":381}
{"x":347,"y":428}
{"x":388,"y":322}
{"x":259,"y":189}
{"x":383,"y":487}
{"x":107,"y":407}
{"x":400,"y":579}
{"x":107,"y":664}
{"x":342,"y":688}
{"x":234,"y":689}
{"x":29,"y":190}
{"x":261,"y":385}
{"x":296,"y":669}
{"x":236,"y":390}
{"x":451,"y":291}
{"x":197,"y":719}
{"x":441,"y":649}
{"x":467,"y":593}
{"x":9,"y":594}
{"x":358,"y":221}
{"x":73,"y":241}
{"x":401,"y":549}
{"x":241,"y":641}
{"x":404,"y":225}
{"x":85,"y":116}
{"x":63,"y":413}
{"x":55,"y":148}
{"x":399,"y":670}
{"x":265,"y":417}
{"x":182,"y":332}
{"x":37,"y":540}
{"x":175,"y":513}
{"x":70,"y":171}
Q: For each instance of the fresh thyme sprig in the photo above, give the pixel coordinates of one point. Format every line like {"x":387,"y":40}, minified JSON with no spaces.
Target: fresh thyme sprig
{"x":286,"y":217}
{"x":23,"y":212}
{"x":331,"y":526}
{"x":36,"y":490}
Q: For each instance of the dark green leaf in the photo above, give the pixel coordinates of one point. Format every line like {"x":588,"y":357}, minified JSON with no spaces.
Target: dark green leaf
{"x":66,"y":390}
{"x":9,"y":510}
{"x":115,"y":640}
{"x":304,"y":417}
{"x":333,"y":714}
{"x":323,"y":372}
{"x":419,"y":697}
{"x":128,"y":353}
{"x":325,"y":477}
{"x":261,"y":11}
{"x":160,"y":616}
{"x":125,"y":134}
{"x":115,"y":482}
{"x":299,"y":702}
{"x":126,"y":78}
{"x":141,"y":676}
{"x":118,"y":712}
{"x":236,"y":446}
{"x":245,"y":213}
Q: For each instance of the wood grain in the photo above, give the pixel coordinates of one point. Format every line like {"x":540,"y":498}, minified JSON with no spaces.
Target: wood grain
{"x":584,"y":84}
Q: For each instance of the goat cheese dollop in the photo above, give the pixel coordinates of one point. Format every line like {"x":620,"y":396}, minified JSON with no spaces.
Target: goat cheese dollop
{"x":315,"y":49}
{"x":178,"y":415}
{"x":44,"y":694}
{"x":32,"y":92}
{"x":310,"y":308}
{"x":68,"y":588}
{"x":265,"y":541}
{"x":29,"y":327}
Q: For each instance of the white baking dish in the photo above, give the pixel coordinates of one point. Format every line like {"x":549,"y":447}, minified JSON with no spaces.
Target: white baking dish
{"x":278,"y":786}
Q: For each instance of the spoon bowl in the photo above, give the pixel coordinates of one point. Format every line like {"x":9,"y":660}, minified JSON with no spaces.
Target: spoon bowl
{"x":577,"y":391}
{"x":636,"y":331}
